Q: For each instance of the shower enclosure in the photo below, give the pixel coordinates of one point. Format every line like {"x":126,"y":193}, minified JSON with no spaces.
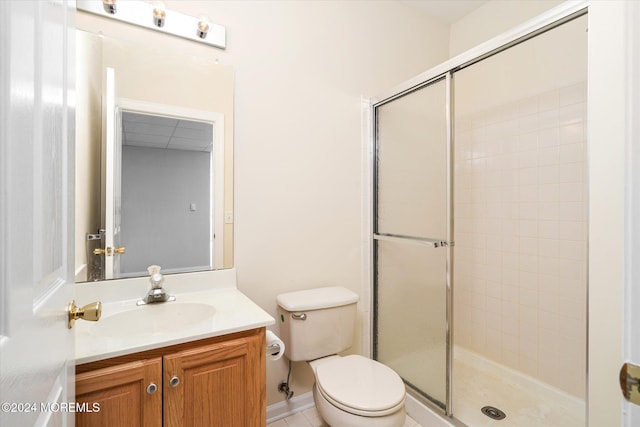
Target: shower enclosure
{"x":479,"y":231}
{"x":411,"y":257}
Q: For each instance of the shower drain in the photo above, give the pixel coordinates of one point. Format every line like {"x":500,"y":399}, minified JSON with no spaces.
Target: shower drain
{"x":493,"y":413}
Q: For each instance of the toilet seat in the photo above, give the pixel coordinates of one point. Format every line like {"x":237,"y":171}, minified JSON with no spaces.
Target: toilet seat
{"x":360,"y":386}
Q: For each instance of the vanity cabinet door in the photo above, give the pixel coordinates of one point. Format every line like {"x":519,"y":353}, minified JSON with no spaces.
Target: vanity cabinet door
{"x":124,"y":393}
{"x":218,"y":385}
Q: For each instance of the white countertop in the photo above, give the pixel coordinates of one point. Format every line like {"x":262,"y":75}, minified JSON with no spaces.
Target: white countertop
{"x":234,"y":312}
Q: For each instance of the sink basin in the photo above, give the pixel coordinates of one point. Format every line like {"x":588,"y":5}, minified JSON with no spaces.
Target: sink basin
{"x":153,"y":319}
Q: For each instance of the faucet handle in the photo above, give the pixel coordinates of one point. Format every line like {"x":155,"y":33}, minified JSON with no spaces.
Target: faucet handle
{"x":156,"y":278}
{"x":156,"y":293}
{"x":154,"y":269}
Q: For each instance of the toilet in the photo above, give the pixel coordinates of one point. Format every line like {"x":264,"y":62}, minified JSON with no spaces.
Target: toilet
{"x":349,"y":391}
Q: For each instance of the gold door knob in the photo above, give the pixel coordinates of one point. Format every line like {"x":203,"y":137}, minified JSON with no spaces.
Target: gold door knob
{"x":630,"y":382}
{"x":109,"y":251}
{"x":90,"y":312}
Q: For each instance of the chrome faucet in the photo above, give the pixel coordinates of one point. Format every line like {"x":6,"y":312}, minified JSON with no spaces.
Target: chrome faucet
{"x":157,"y":292}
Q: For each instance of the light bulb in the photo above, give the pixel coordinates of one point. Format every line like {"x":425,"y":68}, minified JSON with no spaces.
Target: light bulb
{"x":203,"y":27}
{"x":159,"y":13}
{"x":109,"y":6}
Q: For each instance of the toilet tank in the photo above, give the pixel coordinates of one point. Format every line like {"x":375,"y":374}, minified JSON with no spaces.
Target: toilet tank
{"x":317,"y":322}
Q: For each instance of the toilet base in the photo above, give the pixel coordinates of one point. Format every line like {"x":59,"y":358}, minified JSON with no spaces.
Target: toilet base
{"x":336,"y":417}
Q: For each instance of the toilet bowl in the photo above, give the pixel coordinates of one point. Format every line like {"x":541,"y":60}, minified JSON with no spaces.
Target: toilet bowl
{"x":350,"y":391}
{"x":354,"y":391}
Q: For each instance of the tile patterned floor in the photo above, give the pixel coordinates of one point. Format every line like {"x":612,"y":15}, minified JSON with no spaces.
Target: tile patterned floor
{"x":310,"y":418}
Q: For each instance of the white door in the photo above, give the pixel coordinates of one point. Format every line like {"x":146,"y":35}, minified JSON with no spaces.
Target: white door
{"x":37,"y":64}
{"x":631,"y":292}
{"x":112,"y":177}
{"x":631,"y":333}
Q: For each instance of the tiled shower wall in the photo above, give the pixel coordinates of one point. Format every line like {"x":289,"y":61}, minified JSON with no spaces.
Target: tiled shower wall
{"x":520,"y":268}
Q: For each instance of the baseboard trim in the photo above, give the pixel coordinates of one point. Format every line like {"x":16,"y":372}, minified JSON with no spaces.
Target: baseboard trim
{"x":285,"y":408}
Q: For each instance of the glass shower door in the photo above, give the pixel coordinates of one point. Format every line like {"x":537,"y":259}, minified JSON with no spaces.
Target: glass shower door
{"x":411,"y":234}
{"x":521,"y":203}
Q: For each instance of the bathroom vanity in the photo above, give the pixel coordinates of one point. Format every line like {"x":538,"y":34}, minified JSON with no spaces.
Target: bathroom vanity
{"x":218,"y":381}
{"x":197,"y":361}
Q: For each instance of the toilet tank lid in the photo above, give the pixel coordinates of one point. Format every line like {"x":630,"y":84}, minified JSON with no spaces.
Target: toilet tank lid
{"x":316,"y":299}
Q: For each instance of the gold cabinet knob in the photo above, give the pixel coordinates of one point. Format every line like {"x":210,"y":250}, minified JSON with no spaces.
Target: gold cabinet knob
{"x":99,"y":251}
{"x":120,"y":250}
{"x":90,"y":312}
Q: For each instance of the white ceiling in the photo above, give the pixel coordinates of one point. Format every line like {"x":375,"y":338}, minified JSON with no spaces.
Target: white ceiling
{"x":142,"y":130}
{"x":447,"y":11}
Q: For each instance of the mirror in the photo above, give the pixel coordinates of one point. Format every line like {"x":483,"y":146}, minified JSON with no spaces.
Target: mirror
{"x":154,"y":160}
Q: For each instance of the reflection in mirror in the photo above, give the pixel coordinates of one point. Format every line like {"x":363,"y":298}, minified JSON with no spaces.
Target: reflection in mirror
{"x":154,"y":160}
{"x":166,"y":194}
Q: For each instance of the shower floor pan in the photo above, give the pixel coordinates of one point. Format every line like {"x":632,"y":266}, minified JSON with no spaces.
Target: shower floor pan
{"x":527,"y":402}
{"x":479,"y":382}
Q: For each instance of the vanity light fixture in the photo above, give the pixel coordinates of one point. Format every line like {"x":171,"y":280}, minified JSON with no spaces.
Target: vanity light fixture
{"x":203,"y":27}
{"x":159,"y":14}
{"x":138,"y":12}
{"x":109,"y":6}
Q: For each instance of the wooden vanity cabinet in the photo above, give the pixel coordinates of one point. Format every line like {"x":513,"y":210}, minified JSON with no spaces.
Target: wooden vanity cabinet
{"x":213,"y":382}
{"x":121,"y":392}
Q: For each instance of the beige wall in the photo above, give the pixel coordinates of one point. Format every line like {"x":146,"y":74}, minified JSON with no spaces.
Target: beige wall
{"x":300,"y":70}
{"x":492,"y":19}
{"x":298,"y":181}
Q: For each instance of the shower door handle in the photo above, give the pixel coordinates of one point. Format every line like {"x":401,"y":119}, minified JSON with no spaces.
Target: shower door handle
{"x":443,"y":244}
{"x":436,"y":243}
